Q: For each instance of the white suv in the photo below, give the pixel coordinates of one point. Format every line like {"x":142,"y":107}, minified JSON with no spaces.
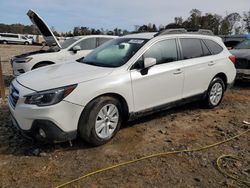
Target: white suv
{"x":125,"y":78}
{"x":71,"y":49}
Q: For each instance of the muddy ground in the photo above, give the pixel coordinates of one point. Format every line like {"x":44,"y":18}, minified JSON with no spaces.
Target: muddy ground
{"x":27,"y":164}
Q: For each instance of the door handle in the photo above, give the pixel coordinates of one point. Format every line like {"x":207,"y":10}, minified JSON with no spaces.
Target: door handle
{"x":211,"y":63}
{"x":178,"y":71}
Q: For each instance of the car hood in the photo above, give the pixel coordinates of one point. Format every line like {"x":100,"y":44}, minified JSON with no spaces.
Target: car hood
{"x":48,"y":35}
{"x":60,"y":75}
{"x":242,"y":53}
{"x":30,"y":54}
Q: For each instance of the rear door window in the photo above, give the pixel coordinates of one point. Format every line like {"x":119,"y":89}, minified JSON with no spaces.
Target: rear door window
{"x":205,"y":49}
{"x":214,"y":47}
{"x":191,"y":48}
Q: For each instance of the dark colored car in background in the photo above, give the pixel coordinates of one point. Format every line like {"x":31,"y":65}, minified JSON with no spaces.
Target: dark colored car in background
{"x":242,"y":63}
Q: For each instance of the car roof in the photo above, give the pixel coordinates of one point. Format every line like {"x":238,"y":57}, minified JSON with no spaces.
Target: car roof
{"x":151,"y":35}
{"x":88,"y":36}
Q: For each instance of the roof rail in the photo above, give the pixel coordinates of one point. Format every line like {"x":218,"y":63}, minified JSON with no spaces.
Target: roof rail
{"x":202,"y":32}
{"x":183,"y":31}
{"x":171,"y":31}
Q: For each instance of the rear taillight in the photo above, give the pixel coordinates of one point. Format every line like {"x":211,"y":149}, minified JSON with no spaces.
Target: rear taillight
{"x":232,"y":58}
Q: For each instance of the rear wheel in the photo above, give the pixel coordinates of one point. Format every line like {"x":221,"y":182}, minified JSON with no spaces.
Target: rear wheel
{"x":100,"y":120}
{"x":26,"y":43}
{"x":5,"y":42}
{"x":215,"y":93}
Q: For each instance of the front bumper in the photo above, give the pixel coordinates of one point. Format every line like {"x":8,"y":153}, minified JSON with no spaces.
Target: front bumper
{"x":50,"y":132}
{"x":59,"y":122}
{"x":20,"y":68}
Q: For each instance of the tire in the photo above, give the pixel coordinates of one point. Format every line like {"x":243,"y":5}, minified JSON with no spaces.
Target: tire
{"x":26,"y":43}
{"x":94,"y":126}
{"x":5,"y":42}
{"x":215,"y":93}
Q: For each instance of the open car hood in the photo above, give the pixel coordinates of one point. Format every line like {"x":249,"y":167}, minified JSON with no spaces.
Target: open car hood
{"x":48,"y":35}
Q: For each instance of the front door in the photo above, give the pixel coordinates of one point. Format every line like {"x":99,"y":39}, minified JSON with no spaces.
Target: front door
{"x":162,"y":83}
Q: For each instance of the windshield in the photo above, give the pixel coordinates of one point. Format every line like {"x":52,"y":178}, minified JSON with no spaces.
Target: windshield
{"x":114,"y":53}
{"x":68,"y":42}
{"x":243,"y":45}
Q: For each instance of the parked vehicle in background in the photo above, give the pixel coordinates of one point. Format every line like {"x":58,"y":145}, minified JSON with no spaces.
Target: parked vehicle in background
{"x":12,"y":38}
{"x":71,"y":49}
{"x":231,"y":41}
{"x":39,"y":40}
{"x":125,"y":78}
{"x":242,"y":63}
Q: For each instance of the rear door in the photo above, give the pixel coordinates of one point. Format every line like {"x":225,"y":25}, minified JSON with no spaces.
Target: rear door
{"x":197,"y":63}
{"x":161,"y":83}
{"x":48,"y":35}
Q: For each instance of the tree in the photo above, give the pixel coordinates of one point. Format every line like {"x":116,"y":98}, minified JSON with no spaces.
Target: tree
{"x":232,"y":18}
{"x":172,"y":26}
{"x":143,"y":28}
{"x":246,"y":18}
{"x":154,"y":28}
{"x":225,"y":27}
{"x":194,"y":19}
{"x":178,"y":21}
{"x":76,"y":31}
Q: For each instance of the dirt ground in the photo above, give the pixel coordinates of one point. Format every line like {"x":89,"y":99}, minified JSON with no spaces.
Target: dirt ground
{"x":27,"y":164}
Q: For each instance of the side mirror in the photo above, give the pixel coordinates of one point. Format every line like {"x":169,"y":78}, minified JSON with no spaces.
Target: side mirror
{"x":149,"y":62}
{"x":76,"y":48}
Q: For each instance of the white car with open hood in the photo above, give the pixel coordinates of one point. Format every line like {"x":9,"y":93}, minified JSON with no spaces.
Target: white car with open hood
{"x":126,"y":77}
{"x":71,"y":49}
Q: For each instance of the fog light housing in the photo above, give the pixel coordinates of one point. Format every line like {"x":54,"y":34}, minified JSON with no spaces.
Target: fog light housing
{"x":42,"y":133}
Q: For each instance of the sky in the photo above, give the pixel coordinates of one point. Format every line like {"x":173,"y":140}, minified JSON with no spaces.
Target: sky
{"x":64,"y":15}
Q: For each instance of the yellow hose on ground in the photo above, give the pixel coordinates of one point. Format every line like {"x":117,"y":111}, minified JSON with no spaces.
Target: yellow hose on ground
{"x":219,"y":162}
{"x":159,"y":155}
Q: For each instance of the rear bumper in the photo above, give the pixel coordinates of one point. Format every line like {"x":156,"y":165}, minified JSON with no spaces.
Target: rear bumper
{"x":243,"y":74}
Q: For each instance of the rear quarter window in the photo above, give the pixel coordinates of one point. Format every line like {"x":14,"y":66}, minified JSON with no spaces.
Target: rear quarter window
{"x":214,"y":47}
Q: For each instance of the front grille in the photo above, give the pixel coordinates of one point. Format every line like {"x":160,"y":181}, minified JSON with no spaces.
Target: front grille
{"x":242,"y":63}
{"x":13,"y":96}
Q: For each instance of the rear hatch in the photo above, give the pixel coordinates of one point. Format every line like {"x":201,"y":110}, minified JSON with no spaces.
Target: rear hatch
{"x":48,"y":35}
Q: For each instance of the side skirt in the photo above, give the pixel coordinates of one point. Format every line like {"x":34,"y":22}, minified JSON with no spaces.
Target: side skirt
{"x":149,"y":111}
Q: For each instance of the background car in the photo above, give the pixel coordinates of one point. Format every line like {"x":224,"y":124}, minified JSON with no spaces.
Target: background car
{"x":71,"y":49}
{"x":242,"y":63}
{"x":12,"y":38}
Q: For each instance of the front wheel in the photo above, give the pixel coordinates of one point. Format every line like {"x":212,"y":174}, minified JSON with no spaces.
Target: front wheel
{"x":100,"y":120}
{"x":215,"y":93}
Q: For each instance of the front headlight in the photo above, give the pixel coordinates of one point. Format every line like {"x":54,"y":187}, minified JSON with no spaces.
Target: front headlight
{"x":23,"y":60}
{"x":49,"y":97}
